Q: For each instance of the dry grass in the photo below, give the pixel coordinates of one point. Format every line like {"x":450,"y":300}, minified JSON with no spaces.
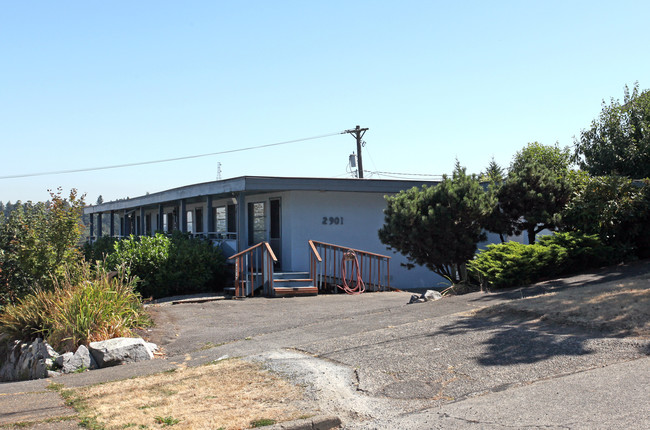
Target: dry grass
{"x":617,"y":308}
{"x":229,"y":394}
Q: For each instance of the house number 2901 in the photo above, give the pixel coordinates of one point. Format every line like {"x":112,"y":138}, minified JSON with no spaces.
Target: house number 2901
{"x":332,"y":220}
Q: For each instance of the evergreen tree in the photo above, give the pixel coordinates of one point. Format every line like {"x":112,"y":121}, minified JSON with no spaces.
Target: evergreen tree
{"x":537,"y":188}
{"x":437,"y":227}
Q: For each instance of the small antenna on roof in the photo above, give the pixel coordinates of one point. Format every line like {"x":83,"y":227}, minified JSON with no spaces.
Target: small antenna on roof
{"x":219,"y":171}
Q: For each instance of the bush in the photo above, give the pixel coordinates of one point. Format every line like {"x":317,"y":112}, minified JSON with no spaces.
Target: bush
{"x":510,"y":264}
{"x":172,"y":265}
{"x":98,"y":308}
{"x":146,"y":258}
{"x":99,"y":249}
{"x":615,"y":208}
{"x":583,"y":251}
{"x":513,"y":263}
{"x":38,"y":244}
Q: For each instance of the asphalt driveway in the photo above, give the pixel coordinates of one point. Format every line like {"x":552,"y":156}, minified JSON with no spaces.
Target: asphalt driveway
{"x":377,"y":362}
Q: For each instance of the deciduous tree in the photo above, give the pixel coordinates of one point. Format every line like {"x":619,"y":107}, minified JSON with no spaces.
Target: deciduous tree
{"x":618,"y":142}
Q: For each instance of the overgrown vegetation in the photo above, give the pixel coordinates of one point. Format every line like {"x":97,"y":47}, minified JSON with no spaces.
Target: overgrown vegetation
{"x":165,"y":265}
{"x":101,"y":306}
{"x":38,"y":245}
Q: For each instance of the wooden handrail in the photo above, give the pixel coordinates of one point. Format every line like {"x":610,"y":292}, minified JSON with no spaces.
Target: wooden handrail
{"x":312,"y":242}
{"x":266,"y":244}
{"x":315,"y":251}
{"x":247,"y":264}
{"x":326,"y":271}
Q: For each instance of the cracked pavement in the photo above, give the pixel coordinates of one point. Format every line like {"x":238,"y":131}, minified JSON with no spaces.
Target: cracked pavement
{"x":379,"y":363}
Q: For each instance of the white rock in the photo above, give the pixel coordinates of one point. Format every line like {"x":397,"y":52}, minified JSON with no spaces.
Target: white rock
{"x":119,"y":350}
{"x":430,"y":295}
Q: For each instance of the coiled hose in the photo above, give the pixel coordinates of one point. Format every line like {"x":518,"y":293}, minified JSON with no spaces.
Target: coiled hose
{"x":359,"y":286}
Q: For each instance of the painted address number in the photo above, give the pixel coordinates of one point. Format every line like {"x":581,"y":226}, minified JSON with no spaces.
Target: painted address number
{"x":332,"y":220}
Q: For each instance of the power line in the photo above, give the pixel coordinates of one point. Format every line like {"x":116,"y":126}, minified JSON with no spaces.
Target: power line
{"x":142,"y":163}
{"x":425,"y":175}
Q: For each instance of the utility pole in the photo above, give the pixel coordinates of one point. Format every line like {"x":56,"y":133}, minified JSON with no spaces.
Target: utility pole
{"x":358,"y":134}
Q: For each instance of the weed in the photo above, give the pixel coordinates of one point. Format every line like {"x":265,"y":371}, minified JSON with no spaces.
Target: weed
{"x":262,"y":422}
{"x":167,"y":421}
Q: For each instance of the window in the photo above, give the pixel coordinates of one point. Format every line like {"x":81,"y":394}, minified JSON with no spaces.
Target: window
{"x":232,"y":218}
{"x":225,"y":221}
{"x":190,"y":222}
{"x":256,"y":223}
{"x":220,"y":224}
{"x":165,"y":223}
{"x":198,"y":212}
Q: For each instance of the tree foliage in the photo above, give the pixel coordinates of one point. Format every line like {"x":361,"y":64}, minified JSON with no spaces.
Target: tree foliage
{"x":495,"y":221}
{"x":618,"y":142}
{"x":437,"y":227}
{"x":38,"y":242}
{"x":537,"y":188}
{"x":615,"y":208}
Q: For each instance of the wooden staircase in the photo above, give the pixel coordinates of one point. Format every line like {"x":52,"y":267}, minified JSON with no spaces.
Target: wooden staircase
{"x":293,"y":284}
{"x":329,"y":266}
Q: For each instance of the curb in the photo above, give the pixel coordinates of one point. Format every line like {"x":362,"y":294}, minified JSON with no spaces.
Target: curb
{"x":319,"y":422}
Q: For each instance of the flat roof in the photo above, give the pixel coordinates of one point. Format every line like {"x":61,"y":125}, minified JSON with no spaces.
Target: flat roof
{"x":260,"y":184}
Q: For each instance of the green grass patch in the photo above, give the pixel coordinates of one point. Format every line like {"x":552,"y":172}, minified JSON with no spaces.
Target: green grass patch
{"x":262,"y":423}
{"x":166,"y":421}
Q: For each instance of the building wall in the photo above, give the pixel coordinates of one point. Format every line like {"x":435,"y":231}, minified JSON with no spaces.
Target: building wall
{"x":350,"y":219}
{"x":346,"y":219}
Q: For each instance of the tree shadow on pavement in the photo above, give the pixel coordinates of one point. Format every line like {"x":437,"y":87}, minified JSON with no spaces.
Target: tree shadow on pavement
{"x":517,"y":339}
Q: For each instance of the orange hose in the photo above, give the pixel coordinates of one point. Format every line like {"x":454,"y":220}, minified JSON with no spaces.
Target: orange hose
{"x":359,"y":287}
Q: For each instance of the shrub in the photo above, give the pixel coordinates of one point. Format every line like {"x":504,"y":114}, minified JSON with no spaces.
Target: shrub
{"x":167,"y":265}
{"x":615,"y":208}
{"x":145,"y":257}
{"x":583,"y":251}
{"x":38,"y":244}
{"x":99,"y":249}
{"x":512,"y":263}
{"x":98,"y":308}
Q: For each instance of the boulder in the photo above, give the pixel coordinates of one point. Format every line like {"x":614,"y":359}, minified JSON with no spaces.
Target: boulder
{"x":119,"y":350}
{"x":427,"y":296}
{"x":81,"y":359}
{"x":430,"y":295}
{"x":26,"y":360}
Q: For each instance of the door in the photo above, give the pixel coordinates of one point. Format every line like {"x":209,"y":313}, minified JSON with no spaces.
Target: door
{"x":275,"y":231}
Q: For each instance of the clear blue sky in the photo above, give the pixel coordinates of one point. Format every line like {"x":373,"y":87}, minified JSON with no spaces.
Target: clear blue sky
{"x":92,"y":84}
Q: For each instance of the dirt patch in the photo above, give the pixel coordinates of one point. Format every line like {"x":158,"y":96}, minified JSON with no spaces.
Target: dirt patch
{"x":614,"y":308}
{"x":229,"y":394}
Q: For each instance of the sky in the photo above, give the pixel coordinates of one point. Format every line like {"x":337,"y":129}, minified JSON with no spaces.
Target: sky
{"x":94,"y":84}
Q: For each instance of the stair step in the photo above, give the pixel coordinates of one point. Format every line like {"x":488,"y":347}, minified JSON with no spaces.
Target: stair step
{"x":294,"y":291}
{"x":293,"y":283}
{"x":290,"y":275}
